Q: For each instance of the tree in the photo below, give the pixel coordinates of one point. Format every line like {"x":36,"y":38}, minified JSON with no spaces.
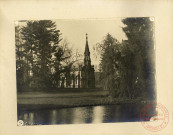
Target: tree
{"x":127,"y":68}
{"x":41,"y":42}
{"x":109,"y":49}
{"x":63,"y":60}
{"x":22,"y":66}
{"x":67,"y":57}
{"x":42,"y":55}
{"x":139,"y":53}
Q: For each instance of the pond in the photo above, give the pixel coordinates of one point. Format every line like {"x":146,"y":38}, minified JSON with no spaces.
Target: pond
{"x":79,"y":115}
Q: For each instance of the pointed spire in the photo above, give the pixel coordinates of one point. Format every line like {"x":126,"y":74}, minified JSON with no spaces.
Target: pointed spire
{"x":86,"y":46}
{"x":87,"y":60}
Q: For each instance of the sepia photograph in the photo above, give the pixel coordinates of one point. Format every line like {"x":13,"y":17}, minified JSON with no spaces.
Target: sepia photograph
{"x":86,"y":67}
{"x":85,"y":71}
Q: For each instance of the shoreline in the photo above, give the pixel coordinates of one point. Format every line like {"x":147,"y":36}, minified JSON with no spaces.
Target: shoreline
{"x":72,"y":104}
{"x":42,"y":100}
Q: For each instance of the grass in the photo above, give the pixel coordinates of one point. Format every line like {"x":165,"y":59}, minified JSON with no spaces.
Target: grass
{"x":67,"y":98}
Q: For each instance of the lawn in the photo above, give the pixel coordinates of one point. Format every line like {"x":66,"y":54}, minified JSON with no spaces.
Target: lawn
{"x":67,"y":98}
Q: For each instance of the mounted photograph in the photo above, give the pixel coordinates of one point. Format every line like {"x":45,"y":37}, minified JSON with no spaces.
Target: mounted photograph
{"x":85,"y":71}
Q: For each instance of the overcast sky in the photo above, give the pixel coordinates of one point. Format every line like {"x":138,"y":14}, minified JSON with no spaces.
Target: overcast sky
{"x":75,"y":32}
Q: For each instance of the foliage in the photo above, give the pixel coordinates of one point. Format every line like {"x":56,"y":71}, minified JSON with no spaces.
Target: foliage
{"x":108,"y":65}
{"x":140,"y":44}
{"x":127,"y":68}
{"x":42,"y":55}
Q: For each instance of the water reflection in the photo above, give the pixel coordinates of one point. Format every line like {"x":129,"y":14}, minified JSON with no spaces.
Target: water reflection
{"x":98,"y":114}
{"x":28,"y":118}
{"x":77,"y":115}
{"x":53,"y":117}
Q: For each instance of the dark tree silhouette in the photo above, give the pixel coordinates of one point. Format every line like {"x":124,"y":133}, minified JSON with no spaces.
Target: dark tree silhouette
{"x":128,"y":68}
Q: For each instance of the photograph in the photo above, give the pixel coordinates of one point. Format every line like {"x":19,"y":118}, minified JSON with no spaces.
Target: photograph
{"x":85,"y":71}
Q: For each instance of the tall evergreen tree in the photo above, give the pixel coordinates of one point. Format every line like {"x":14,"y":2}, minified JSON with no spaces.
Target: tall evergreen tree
{"x":41,"y":42}
{"x":128,"y":69}
{"x":139,"y":50}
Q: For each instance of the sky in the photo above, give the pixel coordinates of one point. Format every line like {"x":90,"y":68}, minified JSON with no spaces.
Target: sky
{"x":74,"y":31}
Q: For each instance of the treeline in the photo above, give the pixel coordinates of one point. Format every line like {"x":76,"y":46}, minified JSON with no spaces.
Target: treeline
{"x":41,"y":55}
{"x":128,"y":68}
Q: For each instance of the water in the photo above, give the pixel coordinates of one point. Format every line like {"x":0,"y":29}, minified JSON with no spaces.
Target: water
{"x":78,"y":115}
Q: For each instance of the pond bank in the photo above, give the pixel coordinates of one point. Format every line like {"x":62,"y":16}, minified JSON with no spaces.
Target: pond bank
{"x":42,"y":100}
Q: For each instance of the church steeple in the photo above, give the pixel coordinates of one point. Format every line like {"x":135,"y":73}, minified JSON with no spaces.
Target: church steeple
{"x":87,"y":60}
{"x":86,"y":46}
{"x":88,"y":76}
